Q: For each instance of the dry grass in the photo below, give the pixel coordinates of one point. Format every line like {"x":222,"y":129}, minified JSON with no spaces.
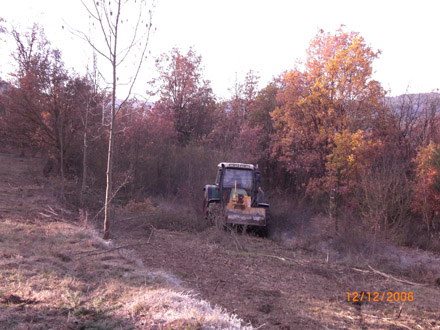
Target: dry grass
{"x":40,"y":264}
{"x":180,"y":310}
{"x":49,"y":279}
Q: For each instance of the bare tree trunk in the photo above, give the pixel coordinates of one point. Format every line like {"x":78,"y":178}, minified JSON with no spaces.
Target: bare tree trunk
{"x":134,"y":156}
{"x":108,"y":190}
{"x":61,"y":144}
{"x":108,"y":22}
{"x":84,"y":164}
{"x":332,"y":200}
{"x":109,"y":173}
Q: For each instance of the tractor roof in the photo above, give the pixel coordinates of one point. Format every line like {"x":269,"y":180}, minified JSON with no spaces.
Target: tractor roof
{"x":237,"y":165}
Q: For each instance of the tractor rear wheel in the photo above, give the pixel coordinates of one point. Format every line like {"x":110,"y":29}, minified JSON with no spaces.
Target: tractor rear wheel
{"x":264,"y":231}
{"x":215,"y":215}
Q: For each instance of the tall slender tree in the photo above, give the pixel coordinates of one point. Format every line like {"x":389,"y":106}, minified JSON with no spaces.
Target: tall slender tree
{"x":120,"y":38}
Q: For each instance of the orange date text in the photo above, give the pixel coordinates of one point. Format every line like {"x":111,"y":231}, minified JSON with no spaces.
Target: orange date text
{"x":364,"y":296}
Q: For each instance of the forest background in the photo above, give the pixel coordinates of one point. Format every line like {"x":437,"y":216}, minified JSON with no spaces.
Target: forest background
{"x":324,"y":133}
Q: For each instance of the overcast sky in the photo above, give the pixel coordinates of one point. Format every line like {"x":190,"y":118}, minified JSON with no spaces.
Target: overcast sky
{"x":234,"y":36}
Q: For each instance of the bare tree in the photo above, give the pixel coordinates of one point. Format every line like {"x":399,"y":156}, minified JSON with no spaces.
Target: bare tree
{"x":108,"y":18}
{"x":416,"y":119}
{"x":91,"y":99}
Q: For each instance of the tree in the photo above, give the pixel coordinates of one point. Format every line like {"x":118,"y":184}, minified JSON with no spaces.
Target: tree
{"x":90,"y":100}
{"x":41,"y":104}
{"x":333,"y":94}
{"x":2,"y":84}
{"x":385,"y":190}
{"x":427,"y":192}
{"x":185,"y":94}
{"x":415,"y":120}
{"x":249,"y":144}
{"x":259,"y":113}
{"x":248,"y":125}
{"x":109,"y":17}
{"x":243,"y":98}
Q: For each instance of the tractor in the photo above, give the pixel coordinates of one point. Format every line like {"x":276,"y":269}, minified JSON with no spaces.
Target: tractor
{"x":236,"y":198}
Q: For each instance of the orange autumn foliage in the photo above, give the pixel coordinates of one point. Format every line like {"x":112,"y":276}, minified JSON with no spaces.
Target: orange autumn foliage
{"x":325,"y":108}
{"x":427,"y":190}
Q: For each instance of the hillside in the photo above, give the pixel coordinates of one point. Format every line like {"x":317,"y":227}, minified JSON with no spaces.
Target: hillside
{"x":57,"y":274}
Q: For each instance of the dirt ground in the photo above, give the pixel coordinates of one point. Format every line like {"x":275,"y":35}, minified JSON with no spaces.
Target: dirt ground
{"x":267,"y":284}
{"x":272,"y":286}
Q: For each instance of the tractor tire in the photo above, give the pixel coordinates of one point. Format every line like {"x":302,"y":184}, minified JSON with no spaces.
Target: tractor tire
{"x":214,"y":215}
{"x":264,"y":231}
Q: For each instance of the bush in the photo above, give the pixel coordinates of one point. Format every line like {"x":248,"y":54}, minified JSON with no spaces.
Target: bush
{"x":386,"y":193}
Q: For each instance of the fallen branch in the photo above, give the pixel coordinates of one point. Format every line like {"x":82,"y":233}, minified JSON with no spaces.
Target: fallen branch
{"x":94,"y":252}
{"x":361,"y":270}
{"x":51,"y":210}
{"x":285,"y":259}
{"x":45,"y":215}
{"x":271,"y":256}
{"x":216,"y":286}
{"x":394,"y":278}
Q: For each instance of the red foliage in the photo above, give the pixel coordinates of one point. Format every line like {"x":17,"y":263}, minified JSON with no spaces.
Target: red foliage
{"x":185,"y":94}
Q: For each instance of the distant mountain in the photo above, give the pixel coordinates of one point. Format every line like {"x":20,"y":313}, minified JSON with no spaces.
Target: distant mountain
{"x":414,"y":103}
{"x":136,"y":104}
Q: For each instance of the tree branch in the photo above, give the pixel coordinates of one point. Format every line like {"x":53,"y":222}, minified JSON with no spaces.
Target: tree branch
{"x":394,"y":278}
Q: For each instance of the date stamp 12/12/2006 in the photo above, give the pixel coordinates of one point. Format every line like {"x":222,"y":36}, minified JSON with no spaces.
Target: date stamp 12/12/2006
{"x":364,"y":296}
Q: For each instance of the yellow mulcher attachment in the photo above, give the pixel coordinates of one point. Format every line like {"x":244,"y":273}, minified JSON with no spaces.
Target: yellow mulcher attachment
{"x":239,"y":211}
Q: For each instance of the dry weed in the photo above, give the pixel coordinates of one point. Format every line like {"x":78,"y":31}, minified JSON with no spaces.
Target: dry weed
{"x":47,"y":271}
{"x":168,"y":309}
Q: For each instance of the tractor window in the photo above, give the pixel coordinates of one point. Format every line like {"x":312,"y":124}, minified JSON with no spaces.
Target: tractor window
{"x":217,"y":179}
{"x":244,"y":178}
